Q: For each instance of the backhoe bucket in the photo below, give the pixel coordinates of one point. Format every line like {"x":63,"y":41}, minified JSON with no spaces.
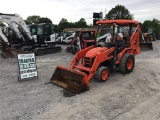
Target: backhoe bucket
{"x":145,"y":46}
{"x":7,"y":54}
{"x":69,"y":79}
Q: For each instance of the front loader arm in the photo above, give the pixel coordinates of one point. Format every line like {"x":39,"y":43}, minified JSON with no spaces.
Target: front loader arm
{"x":79,"y":55}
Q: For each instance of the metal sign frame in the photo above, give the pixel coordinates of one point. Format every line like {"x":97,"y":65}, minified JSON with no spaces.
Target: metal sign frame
{"x":27,"y":67}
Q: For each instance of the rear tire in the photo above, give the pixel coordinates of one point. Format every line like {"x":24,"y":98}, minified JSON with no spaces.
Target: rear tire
{"x":102,"y":74}
{"x":77,"y":49}
{"x":127,"y":63}
{"x":73,"y":49}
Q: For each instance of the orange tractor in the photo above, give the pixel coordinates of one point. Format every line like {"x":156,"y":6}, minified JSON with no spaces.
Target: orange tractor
{"x":117,"y":54}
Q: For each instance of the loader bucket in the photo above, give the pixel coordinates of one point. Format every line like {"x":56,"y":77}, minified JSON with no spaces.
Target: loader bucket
{"x":7,"y":54}
{"x":145,"y":46}
{"x":69,"y":79}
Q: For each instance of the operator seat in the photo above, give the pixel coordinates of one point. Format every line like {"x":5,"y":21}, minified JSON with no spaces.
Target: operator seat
{"x":120,"y":42}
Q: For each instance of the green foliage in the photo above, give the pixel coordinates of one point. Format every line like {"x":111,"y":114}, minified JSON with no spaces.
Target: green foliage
{"x":81,"y":23}
{"x":56,"y":28}
{"x":119,"y":12}
{"x":33,"y":19}
{"x":71,"y":25}
{"x":45,"y":20}
{"x":90,"y":25}
{"x":27,"y":22}
{"x":37,"y":19}
{"x":63,"y":24}
{"x":155,"y":23}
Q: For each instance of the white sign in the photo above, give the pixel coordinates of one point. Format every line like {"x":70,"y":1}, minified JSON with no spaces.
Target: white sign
{"x":27,"y":65}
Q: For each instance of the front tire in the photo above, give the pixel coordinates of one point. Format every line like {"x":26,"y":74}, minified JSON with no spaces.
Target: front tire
{"x":127,"y":63}
{"x":102,"y":74}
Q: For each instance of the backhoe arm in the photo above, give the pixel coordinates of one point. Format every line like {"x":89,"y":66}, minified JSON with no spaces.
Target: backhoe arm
{"x":6,"y":52}
{"x":3,"y":37}
{"x":13,"y":20}
{"x":79,"y":55}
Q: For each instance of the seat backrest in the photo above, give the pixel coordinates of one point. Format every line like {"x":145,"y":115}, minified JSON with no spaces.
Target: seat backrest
{"x":120,"y":43}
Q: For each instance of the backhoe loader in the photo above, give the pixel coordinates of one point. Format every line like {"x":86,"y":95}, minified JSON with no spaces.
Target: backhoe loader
{"x":117,"y":54}
{"x":146,"y":40}
{"x":150,"y":35}
{"x":145,"y":44}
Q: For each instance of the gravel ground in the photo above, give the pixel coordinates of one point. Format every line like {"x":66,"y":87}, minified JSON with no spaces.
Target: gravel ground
{"x":135,"y":96}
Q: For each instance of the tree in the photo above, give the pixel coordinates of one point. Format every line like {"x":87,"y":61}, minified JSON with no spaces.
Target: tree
{"x":119,"y":12}
{"x":37,"y":19}
{"x":56,"y":28}
{"x":27,"y":22}
{"x":71,"y":25}
{"x":62,"y":24}
{"x":90,"y":25}
{"x":45,"y":20}
{"x":33,"y":19}
{"x":81,"y":23}
{"x":65,"y":24}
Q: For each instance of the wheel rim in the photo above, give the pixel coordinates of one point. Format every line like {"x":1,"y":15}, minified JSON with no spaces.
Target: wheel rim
{"x":105,"y":74}
{"x":130,"y":64}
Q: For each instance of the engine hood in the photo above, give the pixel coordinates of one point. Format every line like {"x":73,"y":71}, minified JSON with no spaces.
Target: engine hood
{"x":95,"y":51}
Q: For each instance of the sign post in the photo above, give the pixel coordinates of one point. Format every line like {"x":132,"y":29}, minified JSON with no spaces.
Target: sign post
{"x":27,"y":66}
